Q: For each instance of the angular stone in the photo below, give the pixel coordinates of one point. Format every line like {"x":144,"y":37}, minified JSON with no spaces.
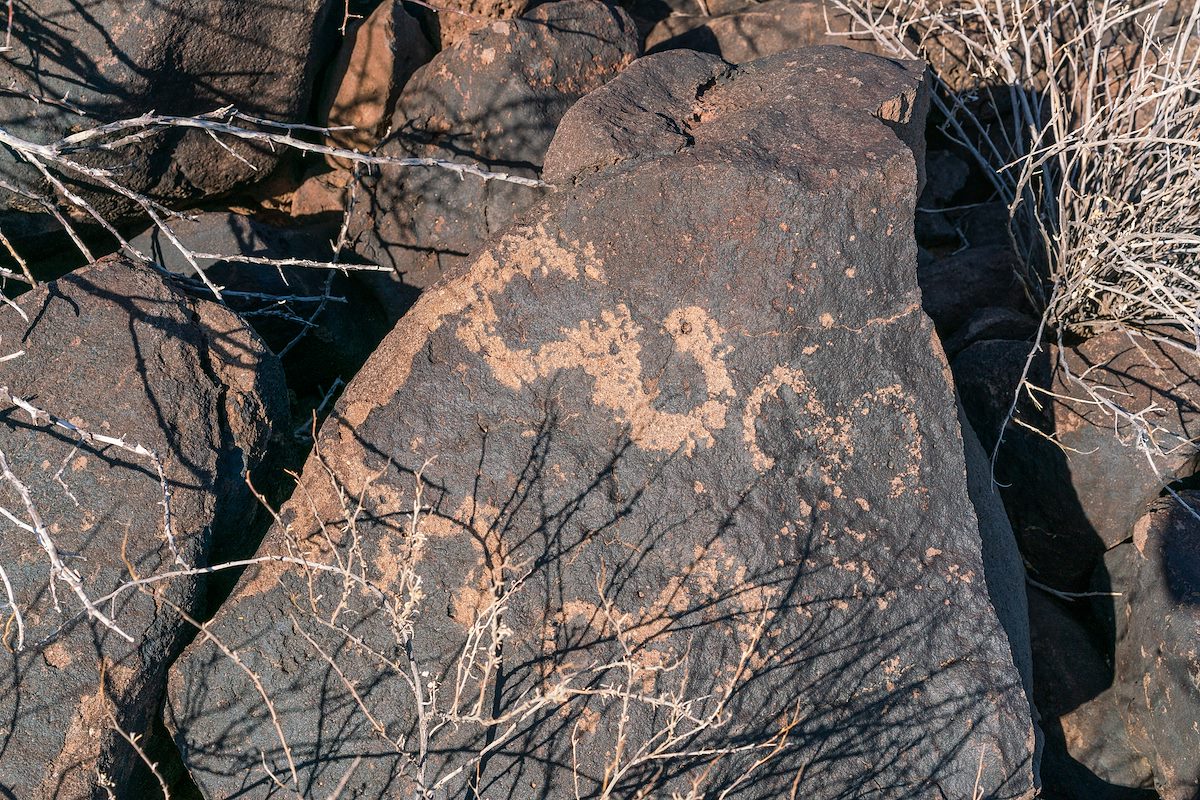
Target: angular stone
{"x":1076,"y":486}
{"x":758,"y":30}
{"x":377,"y":58}
{"x":116,"y":350}
{"x":1118,"y":469}
{"x":1157,"y":631}
{"x":991,"y":323}
{"x":697,"y":514}
{"x":495,"y":97}
{"x":1088,"y":755}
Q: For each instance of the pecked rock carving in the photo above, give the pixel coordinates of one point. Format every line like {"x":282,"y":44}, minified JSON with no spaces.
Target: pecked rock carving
{"x":665,"y":492}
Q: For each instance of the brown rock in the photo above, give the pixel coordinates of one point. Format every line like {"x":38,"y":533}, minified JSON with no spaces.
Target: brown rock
{"x":458,"y":19}
{"x":377,"y":58}
{"x":1092,"y":738}
{"x":116,"y":60}
{"x":323,"y":193}
{"x":694,"y":439}
{"x":1156,"y":622}
{"x":1116,"y":475}
{"x":1071,"y":503}
{"x":116,"y":350}
{"x":757,"y":30}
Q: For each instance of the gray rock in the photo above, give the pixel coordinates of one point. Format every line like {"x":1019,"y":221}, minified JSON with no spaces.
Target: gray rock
{"x":116,"y":350}
{"x":695,"y":444}
{"x":991,"y":322}
{"x":947,"y":175}
{"x":116,"y":60}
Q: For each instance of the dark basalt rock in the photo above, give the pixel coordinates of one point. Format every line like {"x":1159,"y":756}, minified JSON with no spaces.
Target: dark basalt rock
{"x":116,"y":350}
{"x":343,"y":334}
{"x":116,"y":60}
{"x":697,"y":514}
{"x":990,"y":323}
{"x":955,"y":287}
{"x":757,"y":30}
{"x":1156,"y":622}
{"x":494,"y":98}
{"x":1071,"y":503}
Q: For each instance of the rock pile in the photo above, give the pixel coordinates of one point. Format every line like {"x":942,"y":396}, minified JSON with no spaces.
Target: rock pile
{"x":494,"y":97}
{"x":712,"y":458}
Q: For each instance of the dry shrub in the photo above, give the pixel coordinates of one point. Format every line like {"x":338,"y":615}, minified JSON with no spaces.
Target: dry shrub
{"x":1085,"y":117}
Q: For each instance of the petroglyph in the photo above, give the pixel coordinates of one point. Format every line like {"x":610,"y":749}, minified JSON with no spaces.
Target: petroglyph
{"x":832,"y":435}
{"x":607,"y":349}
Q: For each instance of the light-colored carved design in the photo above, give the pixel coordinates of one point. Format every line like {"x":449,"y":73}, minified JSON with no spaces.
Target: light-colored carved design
{"x":834,"y":433}
{"x":608,"y":349}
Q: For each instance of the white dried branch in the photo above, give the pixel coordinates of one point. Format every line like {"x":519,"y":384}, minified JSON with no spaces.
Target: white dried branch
{"x":59,"y":571}
{"x":44,"y":418}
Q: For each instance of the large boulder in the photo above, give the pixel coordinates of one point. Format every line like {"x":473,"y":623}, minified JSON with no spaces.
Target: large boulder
{"x":1156,"y":625}
{"x":665,"y":492}
{"x":496,"y":97}
{"x":1076,"y":470}
{"x":115,"y":350}
{"x":1087,"y":754}
{"x":72,"y":66}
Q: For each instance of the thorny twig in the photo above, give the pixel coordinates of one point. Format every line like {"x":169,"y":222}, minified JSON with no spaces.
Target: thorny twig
{"x":41,"y":417}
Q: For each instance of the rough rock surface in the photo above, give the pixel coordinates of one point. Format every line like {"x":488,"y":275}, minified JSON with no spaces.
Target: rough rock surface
{"x":1089,"y":757}
{"x":1152,"y":374}
{"x":377,"y":58}
{"x":1087,"y":754}
{"x":1156,"y":625}
{"x":1059,"y":546}
{"x":1070,"y":504}
{"x":345,"y":332}
{"x":116,"y":60}
{"x":458,"y":19}
{"x":495,"y":97}
{"x":114,"y":349}
{"x":692,"y":434}
{"x":953,"y":288}
{"x":758,"y":30}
